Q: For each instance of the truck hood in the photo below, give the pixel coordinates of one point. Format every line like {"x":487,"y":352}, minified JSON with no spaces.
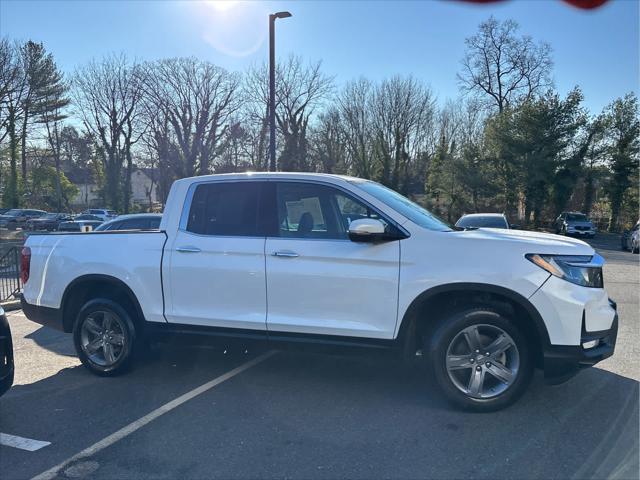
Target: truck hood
{"x":529,"y":242}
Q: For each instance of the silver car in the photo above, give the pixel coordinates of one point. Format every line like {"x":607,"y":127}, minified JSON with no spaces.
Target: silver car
{"x":575,"y":224}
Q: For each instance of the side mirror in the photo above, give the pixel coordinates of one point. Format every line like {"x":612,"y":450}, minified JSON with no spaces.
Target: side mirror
{"x":366,"y":230}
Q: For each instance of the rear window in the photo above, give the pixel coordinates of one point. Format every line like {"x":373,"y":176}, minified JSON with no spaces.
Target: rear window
{"x":482,"y":222}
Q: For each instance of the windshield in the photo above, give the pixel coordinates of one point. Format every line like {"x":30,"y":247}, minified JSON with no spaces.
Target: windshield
{"x":481,"y":222}
{"x":13,"y":213}
{"x":404,"y":206}
{"x":577,"y":217}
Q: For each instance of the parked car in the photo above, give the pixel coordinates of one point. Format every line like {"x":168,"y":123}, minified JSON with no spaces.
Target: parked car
{"x":104,"y":214}
{"x":628,"y":242}
{"x":483,"y":220}
{"x":79,"y":222}
{"x":6,"y":354}
{"x":575,"y":223}
{"x":340,"y":261}
{"x":136,"y":221}
{"x":48,"y":222}
{"x":18,"y":217}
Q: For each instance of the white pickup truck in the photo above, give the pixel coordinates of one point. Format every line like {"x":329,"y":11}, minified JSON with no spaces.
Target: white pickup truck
{"x":312,"y":259}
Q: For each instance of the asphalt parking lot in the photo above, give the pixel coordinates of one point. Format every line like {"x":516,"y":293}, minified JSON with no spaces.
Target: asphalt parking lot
{"x":296,"y":415}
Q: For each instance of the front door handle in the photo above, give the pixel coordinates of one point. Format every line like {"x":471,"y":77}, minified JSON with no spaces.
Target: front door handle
{"x":285,"y":253}
{"x":188,"y":249}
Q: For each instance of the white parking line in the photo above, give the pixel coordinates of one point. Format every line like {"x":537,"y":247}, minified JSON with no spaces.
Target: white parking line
{"x":21,"y":442}
{"x":141,"y":422}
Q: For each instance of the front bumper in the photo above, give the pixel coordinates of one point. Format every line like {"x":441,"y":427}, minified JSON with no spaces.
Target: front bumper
{"x":581,"y":232}
{"x":561,"y":362}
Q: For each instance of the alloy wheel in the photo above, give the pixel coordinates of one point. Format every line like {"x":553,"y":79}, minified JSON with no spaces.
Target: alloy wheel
{"x":102,"y":338}
{"x":482,"y":361}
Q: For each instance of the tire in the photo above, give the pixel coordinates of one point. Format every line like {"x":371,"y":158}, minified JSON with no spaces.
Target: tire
{"x":105,"y":349}
{"x":635,"y":249}
{"x":459,"y":377}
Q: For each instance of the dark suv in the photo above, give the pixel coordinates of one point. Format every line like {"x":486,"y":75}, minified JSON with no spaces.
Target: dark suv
{"x":17,"y":217}
{"x":48,"y":222}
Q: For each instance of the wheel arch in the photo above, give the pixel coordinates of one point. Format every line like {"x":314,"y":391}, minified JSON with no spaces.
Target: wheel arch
{"x":85,"y":287}
{"x":426,"y":309}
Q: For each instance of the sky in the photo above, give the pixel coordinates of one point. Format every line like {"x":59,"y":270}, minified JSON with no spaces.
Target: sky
{"x":597,"y":50}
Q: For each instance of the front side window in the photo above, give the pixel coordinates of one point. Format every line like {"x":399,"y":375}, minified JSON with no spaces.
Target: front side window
{"x":225,"y":208}
{"x":404,"y":206}
{"x":307,"y":210}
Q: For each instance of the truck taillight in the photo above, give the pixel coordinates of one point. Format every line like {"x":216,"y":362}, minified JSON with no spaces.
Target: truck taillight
{"x":25,"y":264}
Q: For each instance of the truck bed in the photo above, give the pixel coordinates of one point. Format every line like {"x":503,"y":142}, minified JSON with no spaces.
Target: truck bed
{"x":134,"y":257}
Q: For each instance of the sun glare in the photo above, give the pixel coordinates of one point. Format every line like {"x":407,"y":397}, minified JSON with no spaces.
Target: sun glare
{"x":223,"y":5}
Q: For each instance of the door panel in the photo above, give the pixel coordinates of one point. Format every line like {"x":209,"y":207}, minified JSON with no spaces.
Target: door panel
{"x":333,"y":287}
{"x":320,"y":282}
{"x":215,"y":270}
{"x":217,"y":281}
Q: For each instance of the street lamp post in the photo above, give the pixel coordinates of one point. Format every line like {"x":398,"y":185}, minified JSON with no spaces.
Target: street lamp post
{"x":272,"y":88}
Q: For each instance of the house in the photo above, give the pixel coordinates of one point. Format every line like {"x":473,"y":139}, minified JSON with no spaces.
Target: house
{"x":143,"y":190}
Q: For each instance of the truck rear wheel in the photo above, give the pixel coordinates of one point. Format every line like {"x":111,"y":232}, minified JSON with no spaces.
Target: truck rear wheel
{"x":481,"y":360}
{"x":105,"y":337}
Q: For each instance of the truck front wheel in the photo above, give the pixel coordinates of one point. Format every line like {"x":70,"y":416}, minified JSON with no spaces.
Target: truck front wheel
{"x":481,"y":359}
{"x":104,"y":336}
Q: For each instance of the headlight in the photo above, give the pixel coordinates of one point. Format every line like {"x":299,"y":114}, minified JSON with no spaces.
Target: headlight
{"x":582,"y":270}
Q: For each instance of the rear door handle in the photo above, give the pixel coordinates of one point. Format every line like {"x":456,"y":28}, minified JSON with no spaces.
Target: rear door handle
{"x":285,"y":253}
{"x":188,"y":249}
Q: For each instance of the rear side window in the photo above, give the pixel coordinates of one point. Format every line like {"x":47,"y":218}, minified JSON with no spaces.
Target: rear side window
{"x":134,"y":224}
{"x":113,"y":226}
{"x":225,"y":208}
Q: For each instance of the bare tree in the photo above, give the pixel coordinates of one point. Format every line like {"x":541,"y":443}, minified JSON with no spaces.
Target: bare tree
{"x":194,"y":101}
{"x":10,"y":74}
{"x":108,"y":94}
{"x":13,"y":86}
{"x":353,"y":104}
{"x":502,"y":66}
{"x":300,"y":90}
{"x":328,"y":146}
{"x":402,"y":110}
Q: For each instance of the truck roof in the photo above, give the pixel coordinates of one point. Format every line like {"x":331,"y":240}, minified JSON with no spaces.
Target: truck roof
{"x":265,"y":175}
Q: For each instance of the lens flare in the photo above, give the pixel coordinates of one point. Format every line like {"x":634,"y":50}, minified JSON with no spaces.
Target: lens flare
{"x":234,"y":28}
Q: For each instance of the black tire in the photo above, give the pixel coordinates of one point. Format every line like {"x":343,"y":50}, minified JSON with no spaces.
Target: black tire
{"x":448,"y":332}
{"x":93,"y":309}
